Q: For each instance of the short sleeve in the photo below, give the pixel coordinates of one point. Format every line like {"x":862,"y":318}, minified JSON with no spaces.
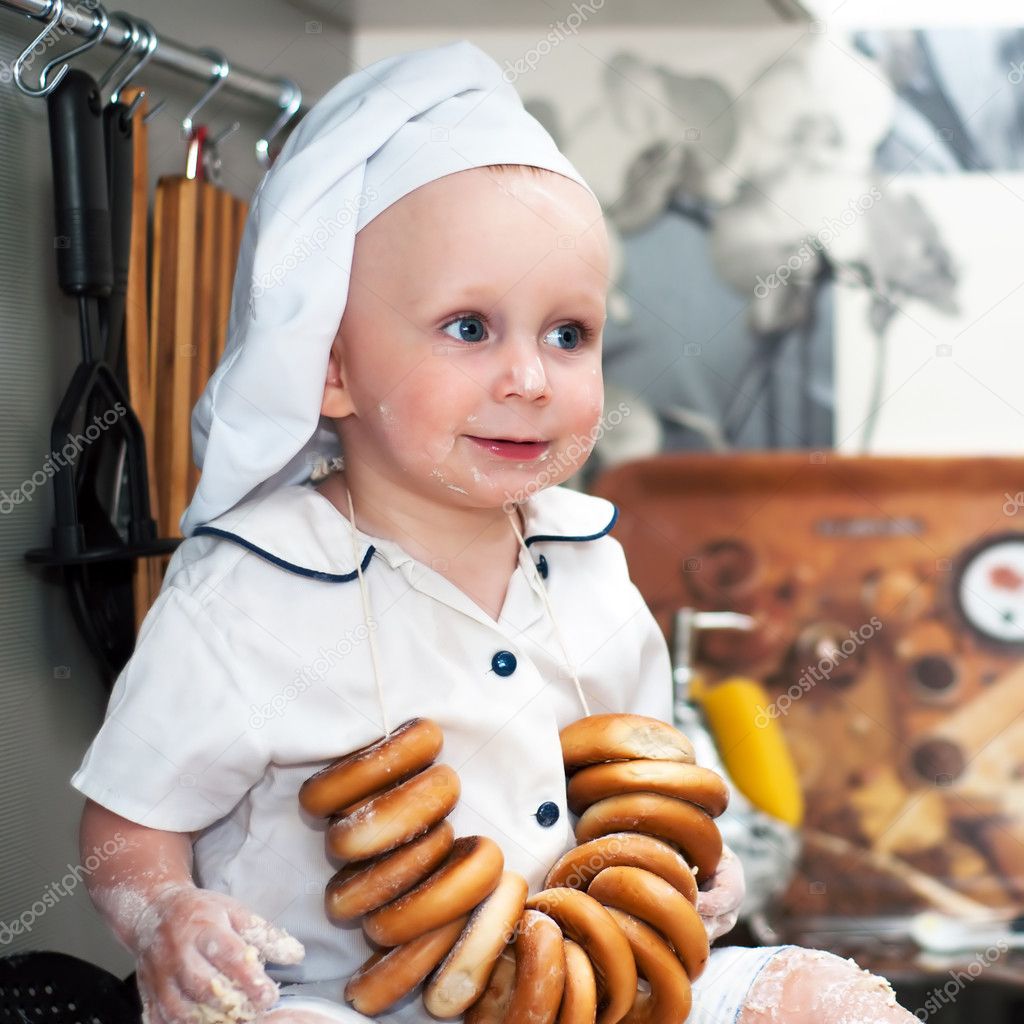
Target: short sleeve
{"x":175,"y":751}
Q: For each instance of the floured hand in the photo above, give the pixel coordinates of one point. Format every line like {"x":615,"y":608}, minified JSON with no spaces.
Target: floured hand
{"x":719,"y":904}
{"x":200,"y":957}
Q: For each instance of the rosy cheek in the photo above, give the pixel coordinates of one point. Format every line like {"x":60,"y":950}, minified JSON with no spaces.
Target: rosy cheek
{"x":388,"y":418}
{"x":599,"y":395}
{"x":592,"y":401}
{"x":438,"y":449}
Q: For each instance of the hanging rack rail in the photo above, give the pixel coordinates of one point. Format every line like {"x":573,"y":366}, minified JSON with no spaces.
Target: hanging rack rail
{"x":170,"y":54}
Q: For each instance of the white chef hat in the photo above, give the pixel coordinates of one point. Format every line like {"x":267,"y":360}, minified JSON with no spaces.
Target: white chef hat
{"x":374,"y":137}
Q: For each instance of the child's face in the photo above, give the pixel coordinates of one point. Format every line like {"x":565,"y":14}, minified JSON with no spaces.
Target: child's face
{"x":462,"y":321}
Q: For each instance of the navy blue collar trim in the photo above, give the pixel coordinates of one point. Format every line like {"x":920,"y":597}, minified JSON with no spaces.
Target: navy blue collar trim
{"x":561,"y":536}
{"x":334,"y":577}
{"x":327,"y":577}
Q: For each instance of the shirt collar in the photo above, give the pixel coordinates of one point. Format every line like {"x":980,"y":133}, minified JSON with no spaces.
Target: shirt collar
{"x":297,"y":528}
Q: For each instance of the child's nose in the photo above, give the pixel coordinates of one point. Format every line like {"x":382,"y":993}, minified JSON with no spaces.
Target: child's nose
{"x":523,"y":374}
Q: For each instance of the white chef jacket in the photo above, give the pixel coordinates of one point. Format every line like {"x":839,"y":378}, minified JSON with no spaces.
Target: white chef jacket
{"x":253,"y":669}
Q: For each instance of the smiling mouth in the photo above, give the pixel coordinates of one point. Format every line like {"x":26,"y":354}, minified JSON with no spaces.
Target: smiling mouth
{"x":511,"y":448}
{"x":512,"y":440}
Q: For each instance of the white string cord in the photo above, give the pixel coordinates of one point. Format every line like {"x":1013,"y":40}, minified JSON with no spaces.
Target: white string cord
{"x":551,"y":615}
{"x":367,"y":615}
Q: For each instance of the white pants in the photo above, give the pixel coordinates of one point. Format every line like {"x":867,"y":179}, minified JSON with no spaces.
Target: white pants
{"x":718,"y":994}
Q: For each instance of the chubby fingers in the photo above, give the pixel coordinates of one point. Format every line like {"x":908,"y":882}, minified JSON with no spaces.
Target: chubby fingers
{"x":728,"y":887}
{"x":164,"y":1002}
{"x":275,"y":945}
{"x":230,"y":973}
{"x":720,"y":925}
{"x":153,"y":1014}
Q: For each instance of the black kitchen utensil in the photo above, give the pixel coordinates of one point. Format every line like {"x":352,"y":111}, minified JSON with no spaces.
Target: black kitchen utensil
{"x":101,"y":494}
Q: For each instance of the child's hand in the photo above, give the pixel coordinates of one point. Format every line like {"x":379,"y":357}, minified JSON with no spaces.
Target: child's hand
{"x":200,"y":958}
{"x":719,"y":905}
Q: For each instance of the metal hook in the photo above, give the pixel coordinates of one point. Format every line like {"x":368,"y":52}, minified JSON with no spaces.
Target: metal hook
{"x":154,"y":111}
{"x":130,"y":43}
{"x":220,"y":76}
{"x":152,"y":43}
{"x":212,"y":162}
{"x":287,"y":113}
{"x":218,"y":139}
{"x":135,"y":27}
{"x":53,"y":17}
{"x":95,"y":36}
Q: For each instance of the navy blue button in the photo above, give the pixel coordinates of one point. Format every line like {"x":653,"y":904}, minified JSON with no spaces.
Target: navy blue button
{"x":504,"y":663}
{"x":547,"y":813}
{"x":542,"y":567}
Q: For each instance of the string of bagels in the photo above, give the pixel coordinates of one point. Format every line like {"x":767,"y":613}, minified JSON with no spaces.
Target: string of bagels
{"x":441,"y":911}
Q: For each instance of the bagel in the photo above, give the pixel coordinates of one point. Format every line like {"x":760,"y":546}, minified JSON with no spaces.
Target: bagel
{"x":408,"y":749}
{"x":355,"y":891}
{"x":396,"y":816}
{"x":462,"y":976}
{"x":577,"y":866}
{"x":670,"y":997}
{"x":586,"y":922}
{"x":683,"y":824}
{"x":385,"y":977}
{"x":579,"y":1000}
{"x":617,"y":737}
{"x":540,"y":971}
{"x":646,"y":896}
{"x":699,"y":785}
{"x":349,"y":808}
{"x":491,"y":1006}
{"x":469,"y":873}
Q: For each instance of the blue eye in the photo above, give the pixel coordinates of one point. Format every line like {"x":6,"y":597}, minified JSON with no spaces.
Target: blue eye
{"x":568,"y":336}
{"x":474,"y":332}
{"x":472,"y":328}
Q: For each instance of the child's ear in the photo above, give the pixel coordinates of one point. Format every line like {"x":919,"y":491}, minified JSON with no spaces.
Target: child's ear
{"x":337,"y":401}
